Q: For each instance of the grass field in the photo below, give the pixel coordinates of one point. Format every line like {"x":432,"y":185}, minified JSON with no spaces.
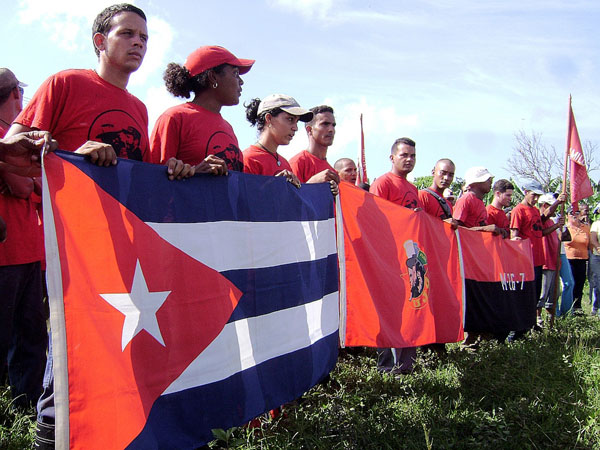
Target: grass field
{"x":539,"y":393}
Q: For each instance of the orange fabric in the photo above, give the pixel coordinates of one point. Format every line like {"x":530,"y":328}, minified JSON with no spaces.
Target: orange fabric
{"x":382,"y":308}
{"x":577,"y":247}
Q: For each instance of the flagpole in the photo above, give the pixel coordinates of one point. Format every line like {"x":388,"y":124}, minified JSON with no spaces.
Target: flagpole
{"x":562,"y":211}
{"x":564,"y":186}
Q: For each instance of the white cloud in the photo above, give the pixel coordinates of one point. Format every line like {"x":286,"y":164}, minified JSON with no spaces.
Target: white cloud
{"x":319,"y":9}
{"x":157,"y":100}
{"x":66,"y":22}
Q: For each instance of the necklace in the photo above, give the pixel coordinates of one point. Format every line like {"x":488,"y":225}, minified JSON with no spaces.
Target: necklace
{"x":5,"y":122}
{"x":274,"y":155}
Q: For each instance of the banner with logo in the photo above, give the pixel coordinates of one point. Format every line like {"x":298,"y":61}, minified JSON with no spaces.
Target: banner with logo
{"x":402,"y":274}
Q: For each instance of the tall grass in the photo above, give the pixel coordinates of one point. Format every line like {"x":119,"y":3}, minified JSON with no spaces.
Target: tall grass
{"x":539,"y":393}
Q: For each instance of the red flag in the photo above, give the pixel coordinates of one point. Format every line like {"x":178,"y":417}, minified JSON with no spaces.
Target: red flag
{"x":580,"y":183}
{"x":362,"y":163}
{"x":499,"y":282}
{"x":402,"y":271}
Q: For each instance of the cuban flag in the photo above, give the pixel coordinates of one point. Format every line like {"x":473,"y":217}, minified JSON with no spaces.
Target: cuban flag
{"x":182,"y":306}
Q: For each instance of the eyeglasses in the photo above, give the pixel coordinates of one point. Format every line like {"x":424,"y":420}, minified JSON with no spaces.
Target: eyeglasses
{"x":21,"y":90}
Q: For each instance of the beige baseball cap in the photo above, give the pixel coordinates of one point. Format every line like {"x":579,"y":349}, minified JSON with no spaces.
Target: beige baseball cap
{"x":285,"y":103}
{"x":8,"y":80}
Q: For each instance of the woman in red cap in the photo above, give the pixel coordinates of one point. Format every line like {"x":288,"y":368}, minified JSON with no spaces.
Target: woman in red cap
{"x":195,"y":132}
{"x":276,"y":118}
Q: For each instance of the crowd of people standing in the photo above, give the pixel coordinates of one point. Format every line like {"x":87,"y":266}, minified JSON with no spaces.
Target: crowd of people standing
{"x":192,"y":138}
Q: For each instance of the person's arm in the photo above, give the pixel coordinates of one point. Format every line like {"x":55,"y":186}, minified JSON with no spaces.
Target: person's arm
{"x":20,"y":152}
{"x":559,"y":201}
{"x":594,"y":244}
{"x":553,"y":228}
{"x":16,"y":185}
{"x":514,"y":233}
{"x":327,"y":176}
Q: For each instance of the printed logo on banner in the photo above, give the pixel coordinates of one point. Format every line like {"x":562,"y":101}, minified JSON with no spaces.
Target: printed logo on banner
{"x":416,"y":263}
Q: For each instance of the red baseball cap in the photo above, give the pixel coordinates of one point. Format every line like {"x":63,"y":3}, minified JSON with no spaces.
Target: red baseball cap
{"x":210,"y":56}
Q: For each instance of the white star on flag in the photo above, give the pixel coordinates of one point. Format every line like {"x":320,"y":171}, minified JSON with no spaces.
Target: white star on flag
{"x":139,"y":307}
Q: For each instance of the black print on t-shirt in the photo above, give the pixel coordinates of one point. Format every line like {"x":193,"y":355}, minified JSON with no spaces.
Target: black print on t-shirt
{"x":119,"y":129}
{"x":221,"y":146}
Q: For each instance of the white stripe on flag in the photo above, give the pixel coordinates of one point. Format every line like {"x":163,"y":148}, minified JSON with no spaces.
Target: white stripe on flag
{"x":264,"y":244}
{"x":249,"y":342}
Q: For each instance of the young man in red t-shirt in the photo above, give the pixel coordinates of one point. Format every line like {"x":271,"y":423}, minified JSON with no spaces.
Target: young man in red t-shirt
{"x":77,"y":105}
{"x":310,"y":165}
{"x":432,"y":198}
{"x":526,"y":223}
{"x":550,"y":244}
{"x":469,"y":211}
{"x":394,"y":186}
{"x":503,"y":191}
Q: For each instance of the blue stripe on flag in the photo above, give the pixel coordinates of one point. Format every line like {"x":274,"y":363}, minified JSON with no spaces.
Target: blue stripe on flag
{"x":235,"y":400}
{"x":274,"y":288}
{"x":223,"y":198}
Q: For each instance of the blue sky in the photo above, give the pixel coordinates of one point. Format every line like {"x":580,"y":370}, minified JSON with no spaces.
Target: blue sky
{"x":460,"y":77}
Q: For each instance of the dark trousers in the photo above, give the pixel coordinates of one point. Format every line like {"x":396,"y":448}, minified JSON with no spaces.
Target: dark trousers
{"x":579,"y":270}
{"x":23,"y":332}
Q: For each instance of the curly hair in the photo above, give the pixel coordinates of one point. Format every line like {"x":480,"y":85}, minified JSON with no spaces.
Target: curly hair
{"x":180,"y":83}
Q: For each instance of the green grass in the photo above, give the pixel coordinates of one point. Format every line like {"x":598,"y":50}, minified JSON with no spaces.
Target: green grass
{"x":539,"y":393}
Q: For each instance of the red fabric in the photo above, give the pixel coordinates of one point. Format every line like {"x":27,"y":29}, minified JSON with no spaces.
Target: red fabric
{"x":550,"y":243}
{"x":190,"y":133}
{"x":527,"y":220}
{"x":490,"y":258}
{"x":431,"y":205}
{"x":92,"y":384}
{"x":470,"y":210}
{"x":382,"y":310}
{"x":24,"y":239}
{"x":78,"y":105}
{"x":305,"y":165}
{"x":397,"y":190}
{"x":260,"y":162}
{"x":580,"y":182}
{"x":497,"y":217}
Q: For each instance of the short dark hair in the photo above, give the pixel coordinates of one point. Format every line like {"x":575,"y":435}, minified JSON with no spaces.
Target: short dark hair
{"x":403,"y":140}
{"x":341,"y":161}
{"x":103,"y":22}
{"x":502,"y":186}
{"x":317,"y":110}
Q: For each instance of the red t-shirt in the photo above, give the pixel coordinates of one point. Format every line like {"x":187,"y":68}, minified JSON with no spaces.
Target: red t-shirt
{"x":432,"y":206}
{"x":190,"y":133}
{"x":527,"y":220}
{"x":261,"y":162}
{"x":396,"y":189}
{"x":497,"y":217}
{"x":24,"y":239}
{"x":78,"y":106}
{"x":550,"y":244}
{"x":470,"y":210}
{"x":305,"y":165}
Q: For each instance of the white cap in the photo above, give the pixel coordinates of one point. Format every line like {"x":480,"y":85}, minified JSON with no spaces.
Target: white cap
{"x":477,"y":175}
